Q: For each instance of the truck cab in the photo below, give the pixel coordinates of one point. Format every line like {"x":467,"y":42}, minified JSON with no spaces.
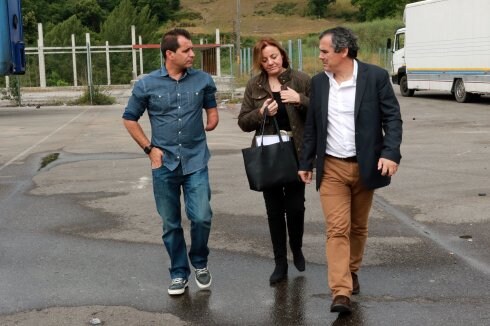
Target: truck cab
{"x":398,"y":66}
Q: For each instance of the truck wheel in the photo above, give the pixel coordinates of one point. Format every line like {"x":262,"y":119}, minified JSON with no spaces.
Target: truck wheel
{"x":404,"y":87}
{"x":460,"y":93}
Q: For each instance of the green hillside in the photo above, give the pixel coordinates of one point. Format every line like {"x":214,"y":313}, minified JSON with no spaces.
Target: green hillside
{"x":279,"y":18}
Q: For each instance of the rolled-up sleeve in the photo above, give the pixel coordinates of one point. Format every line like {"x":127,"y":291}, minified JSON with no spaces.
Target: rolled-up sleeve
{"x":137,"y":103}
{"x":209,"y":101}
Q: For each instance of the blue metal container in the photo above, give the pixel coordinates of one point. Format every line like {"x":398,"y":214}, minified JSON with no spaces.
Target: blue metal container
{"x":5,"y":53}
{"x":12,"y":48}
{"x":16,"y":37}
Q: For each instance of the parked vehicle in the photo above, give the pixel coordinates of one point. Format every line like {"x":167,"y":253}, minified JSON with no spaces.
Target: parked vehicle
{"x":444,"y":46}
{"x":12,"y":53}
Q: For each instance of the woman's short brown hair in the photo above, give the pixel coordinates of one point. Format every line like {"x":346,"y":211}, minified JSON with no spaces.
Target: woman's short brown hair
{"x":257,"y":54}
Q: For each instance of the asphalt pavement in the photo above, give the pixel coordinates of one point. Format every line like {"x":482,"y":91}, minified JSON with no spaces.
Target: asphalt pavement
{"x":80,"y":238}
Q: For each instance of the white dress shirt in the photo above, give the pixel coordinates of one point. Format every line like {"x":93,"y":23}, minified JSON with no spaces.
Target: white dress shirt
{"x":341,"y":127}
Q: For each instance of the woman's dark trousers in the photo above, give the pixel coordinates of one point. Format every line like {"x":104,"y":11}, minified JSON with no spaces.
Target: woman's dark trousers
{"x":285,"y":211}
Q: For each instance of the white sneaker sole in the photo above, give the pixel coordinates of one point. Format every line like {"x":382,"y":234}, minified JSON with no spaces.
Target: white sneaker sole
{"x":204,"y":286}
{"x":178,"y":291}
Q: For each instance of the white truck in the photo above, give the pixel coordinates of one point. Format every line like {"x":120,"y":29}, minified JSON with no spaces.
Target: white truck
{"x":444,"y":46}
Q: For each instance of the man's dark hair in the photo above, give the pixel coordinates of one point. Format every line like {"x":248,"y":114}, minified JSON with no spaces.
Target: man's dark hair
{"x":343,"y":38}
{"x":169,"y":40}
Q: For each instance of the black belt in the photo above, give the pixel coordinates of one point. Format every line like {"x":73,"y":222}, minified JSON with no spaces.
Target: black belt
{"x":352,"y":159}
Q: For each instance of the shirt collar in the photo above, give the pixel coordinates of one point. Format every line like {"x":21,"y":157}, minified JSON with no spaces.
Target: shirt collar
{"x":164,"y":71}
{"x":354,"y":72}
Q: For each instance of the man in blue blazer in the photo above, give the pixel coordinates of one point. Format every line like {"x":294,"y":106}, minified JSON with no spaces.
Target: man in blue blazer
{"x":353,"y":133}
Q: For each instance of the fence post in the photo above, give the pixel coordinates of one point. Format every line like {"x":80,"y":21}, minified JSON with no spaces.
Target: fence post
{"x":108,"y":62}
{"x":290,"y":52}
{"x":40,"y":46}
{"x":133,"y":51}
{"x":89,"y":66}
{"x":140,"y":41}
{"x":249,"y":61}
{"x":74,"y":60}
{"x":300,"y":55}
{"x":241,"y":55}
{"x":218,"y":54}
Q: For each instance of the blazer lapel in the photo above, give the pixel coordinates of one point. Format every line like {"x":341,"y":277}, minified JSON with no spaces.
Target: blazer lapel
{"x":325,"y":87}
{"x":361,"y":83}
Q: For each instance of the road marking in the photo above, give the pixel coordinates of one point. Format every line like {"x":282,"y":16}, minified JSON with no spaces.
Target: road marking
{"x":142,"y":183}
{"x":40,"y":142}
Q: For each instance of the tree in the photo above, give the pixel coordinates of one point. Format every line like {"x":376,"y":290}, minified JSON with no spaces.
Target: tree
{"x":318,"y":8}
{"x":373,"y":9}
{"x":60,"y":70}
{"x":117,"y":27}
{"x":162,"y":9}
{"x":90,"y":14}
{"x":60,"y":34}
{"x":175,"y":4}
{"x":117,"y":30}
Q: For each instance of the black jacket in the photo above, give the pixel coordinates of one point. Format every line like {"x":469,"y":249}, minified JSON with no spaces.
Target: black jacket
{"x":378,"y":125}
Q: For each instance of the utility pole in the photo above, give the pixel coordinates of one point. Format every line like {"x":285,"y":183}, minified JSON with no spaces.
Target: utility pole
{"x":237,"y":32}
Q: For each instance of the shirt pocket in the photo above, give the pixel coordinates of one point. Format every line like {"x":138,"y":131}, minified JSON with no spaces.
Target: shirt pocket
{"x":195,"y":98}
{"x":160,"y":102}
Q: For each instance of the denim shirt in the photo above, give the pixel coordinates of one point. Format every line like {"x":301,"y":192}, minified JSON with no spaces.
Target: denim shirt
{"x":175,"y":110}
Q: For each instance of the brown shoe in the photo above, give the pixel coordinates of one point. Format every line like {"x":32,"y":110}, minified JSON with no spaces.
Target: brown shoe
{"x":355,"y":284}
{"x":341,"y":304}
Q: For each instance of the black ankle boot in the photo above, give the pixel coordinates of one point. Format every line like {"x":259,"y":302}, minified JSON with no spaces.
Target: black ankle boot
{"x":299,"y":260}
{"x":280,"y":273}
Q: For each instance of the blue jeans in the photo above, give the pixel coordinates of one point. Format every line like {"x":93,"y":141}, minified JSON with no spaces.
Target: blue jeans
{"x":167,"y":187}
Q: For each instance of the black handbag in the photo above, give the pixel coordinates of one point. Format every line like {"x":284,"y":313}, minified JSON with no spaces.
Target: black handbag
{"x":272,"y":165}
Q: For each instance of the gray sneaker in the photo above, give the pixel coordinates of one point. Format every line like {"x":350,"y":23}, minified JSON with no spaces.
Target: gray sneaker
{"x":178,"y":286}
{"x":203,"y":278}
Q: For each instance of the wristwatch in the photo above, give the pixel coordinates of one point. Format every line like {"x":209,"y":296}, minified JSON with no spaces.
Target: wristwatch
{"x":148,"y":149}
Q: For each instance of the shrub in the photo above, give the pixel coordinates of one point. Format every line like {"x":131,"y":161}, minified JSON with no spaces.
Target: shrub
{"x":286,"y":8}
{"x":99,"y":97}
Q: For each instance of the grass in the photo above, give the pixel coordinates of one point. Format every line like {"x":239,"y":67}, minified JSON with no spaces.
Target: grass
{"x":258,"y":18}
{"x":48,"y":159}
{"x":261,"y":18}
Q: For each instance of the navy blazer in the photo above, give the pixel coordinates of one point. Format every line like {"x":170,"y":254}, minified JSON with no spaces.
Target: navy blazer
{"x":378,"y":125}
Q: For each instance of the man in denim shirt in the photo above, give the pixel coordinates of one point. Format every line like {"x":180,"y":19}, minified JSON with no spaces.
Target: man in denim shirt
{"x":175,"y":97}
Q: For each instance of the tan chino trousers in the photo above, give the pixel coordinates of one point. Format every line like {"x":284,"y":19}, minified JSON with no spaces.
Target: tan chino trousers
{"x":346,"y":204}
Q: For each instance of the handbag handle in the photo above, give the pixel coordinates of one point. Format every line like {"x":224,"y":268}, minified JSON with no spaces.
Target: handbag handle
{"x":276,"y":126}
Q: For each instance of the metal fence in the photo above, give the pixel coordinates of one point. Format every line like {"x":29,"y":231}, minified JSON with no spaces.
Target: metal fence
{"x":93,"y":64}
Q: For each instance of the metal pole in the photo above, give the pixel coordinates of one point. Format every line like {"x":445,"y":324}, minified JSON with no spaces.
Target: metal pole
{"x":140,"y":41}
{"x":40,"y":46}
{"x":249,"y":61}
{"x":89,"y":66}
{"x":133,"y":50}
{"x":237,"y":31}
{"x":19,"y":95}
{"x":108,"y":62}
{"x":242,"y":62}
{"x":230,"y":55}
{"x":300,"y":55}
{"x":218,"y":54}
{"x":290,"y":52}
{"x":74,"y":60}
